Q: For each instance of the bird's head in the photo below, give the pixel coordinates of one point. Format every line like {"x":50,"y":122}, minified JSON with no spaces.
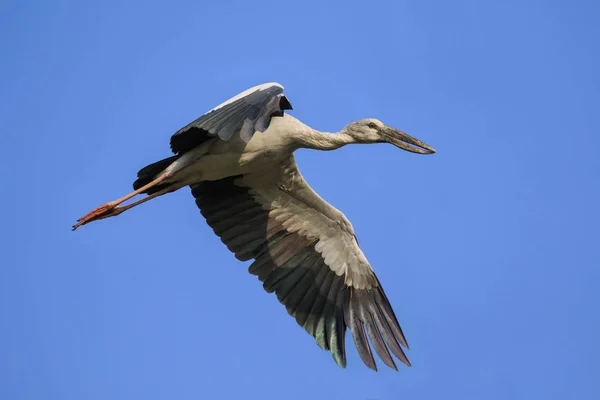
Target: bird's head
{"x":371,"y":130}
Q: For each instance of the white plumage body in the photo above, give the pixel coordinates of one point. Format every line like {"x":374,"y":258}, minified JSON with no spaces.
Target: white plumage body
{"x":218,"y":159}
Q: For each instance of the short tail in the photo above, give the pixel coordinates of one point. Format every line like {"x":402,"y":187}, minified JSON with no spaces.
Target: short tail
{"x":149,"y":172}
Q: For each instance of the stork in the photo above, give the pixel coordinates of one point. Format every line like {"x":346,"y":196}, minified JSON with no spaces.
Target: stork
{"x":238,"y":160}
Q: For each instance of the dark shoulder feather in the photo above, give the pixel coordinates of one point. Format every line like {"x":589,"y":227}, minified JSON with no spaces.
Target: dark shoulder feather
{"x":251,"y":110}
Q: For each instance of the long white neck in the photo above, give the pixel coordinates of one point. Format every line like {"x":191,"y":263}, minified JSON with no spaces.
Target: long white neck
{"x":313,"y":139}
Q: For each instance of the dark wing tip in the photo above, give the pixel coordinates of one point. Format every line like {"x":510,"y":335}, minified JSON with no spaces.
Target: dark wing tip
{"x":369,"y":315}
{"x":188,"y":138}
{"x":284,"y":103}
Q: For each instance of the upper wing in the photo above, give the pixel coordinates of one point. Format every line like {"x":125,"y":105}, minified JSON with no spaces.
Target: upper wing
{"x":249,"y":111}
{"x":305,"y":251}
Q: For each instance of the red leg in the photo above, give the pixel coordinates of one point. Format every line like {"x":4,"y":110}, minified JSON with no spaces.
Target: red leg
{"x":110,"y":209}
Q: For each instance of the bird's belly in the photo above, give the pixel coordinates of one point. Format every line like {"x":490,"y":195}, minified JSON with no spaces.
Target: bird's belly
{"x":211,"y":167}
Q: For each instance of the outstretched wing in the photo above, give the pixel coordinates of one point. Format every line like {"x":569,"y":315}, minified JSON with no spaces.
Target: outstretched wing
{"x":305,"y":251}
{"x":249,"y":111}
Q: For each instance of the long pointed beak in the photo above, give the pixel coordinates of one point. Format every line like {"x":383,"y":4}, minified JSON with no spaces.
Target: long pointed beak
{"x":405,"y":141}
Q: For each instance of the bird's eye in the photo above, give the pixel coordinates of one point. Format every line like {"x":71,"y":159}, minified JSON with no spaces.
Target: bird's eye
{"x":372,"y":125}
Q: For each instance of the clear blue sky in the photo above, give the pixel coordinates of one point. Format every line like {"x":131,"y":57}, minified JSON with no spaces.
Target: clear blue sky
{"x":488,"y":250}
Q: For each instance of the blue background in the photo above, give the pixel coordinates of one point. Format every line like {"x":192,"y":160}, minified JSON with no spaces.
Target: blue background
{"x":488,"y":250}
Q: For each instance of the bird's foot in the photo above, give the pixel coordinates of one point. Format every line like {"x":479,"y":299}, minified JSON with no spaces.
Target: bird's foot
{"x":104,"y":211}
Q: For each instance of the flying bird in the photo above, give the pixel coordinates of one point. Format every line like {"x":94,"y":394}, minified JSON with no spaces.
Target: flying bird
{"x":238,"y":160}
